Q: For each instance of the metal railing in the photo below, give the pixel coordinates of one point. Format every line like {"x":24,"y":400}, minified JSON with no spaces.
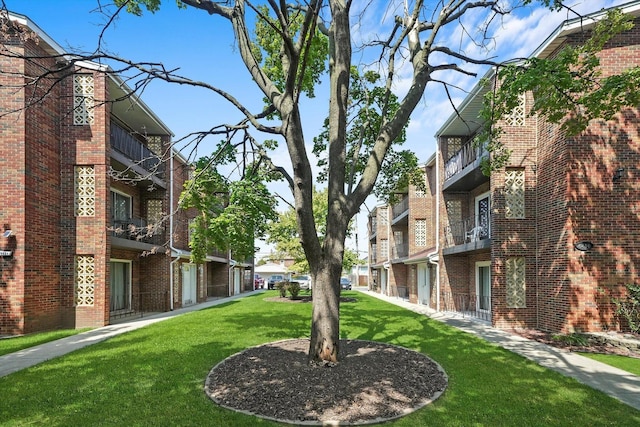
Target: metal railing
{"x":139,"y":230}
{"x":143,"y":303}
{"x":132,"y":148}
{"x":400,"y":250}
{"x":400,"y":207}
{"x":463,"y":158}
{"x":468,"y":230}
{"x":468,"y":305}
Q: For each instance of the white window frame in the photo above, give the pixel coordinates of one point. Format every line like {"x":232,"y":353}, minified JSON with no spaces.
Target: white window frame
{"x":480,"y":264}
{"x":121,"y":193}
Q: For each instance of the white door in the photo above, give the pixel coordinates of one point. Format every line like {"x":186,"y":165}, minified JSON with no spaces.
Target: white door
{"x":383,"y":281}
{"x":424,"y":291}
{"x":189,"y":284}
{"x":236,"y":281}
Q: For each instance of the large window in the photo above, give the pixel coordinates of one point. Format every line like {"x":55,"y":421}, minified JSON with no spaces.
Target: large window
{"x":121,"y":206}
{"x":120,"y":285}
{"x":483,"y":285}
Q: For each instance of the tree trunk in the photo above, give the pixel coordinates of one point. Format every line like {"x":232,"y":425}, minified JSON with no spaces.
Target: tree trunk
{"x":325,"y":320}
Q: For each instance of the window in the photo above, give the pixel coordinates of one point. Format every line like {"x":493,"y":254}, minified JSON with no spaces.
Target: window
{"x":83,"y":99}
{"x":483,"y":285}
{"x":514,"y":193}
{"x":421,"y":232}
{"x":516,"y":285}
{"x":84,"y":280}
{"x":120,"y":285}
{"x":85,"y":190}
{"x":121,"y":206}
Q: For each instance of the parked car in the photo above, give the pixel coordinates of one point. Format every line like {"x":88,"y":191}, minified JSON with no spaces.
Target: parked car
{"x":303,"y":280}
{"x":345,"y":283}
{"x":258,"y":281}
{"x":271,"y":284}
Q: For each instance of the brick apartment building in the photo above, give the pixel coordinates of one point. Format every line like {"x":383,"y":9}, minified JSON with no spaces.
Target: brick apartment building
{"x":543,"y":243}
{"x":89,"y":178}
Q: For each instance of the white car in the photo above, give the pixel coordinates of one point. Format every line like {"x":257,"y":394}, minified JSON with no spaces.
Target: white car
{"x":303,"y":280}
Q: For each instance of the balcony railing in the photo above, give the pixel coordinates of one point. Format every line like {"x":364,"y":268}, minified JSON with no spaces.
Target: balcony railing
{"x":400,"y":250}
{"x":401,"y":207}
{"x":469,"y":230}
{"x":136,"y":151}
{"x":463,"y":158}
{"x":142,"y":303}
{"x":137,"y":229}
{"x":469,"y":305}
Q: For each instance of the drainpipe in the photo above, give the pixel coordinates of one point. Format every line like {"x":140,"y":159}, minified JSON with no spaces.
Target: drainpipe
{"x":171,"y":248}
{"x":434,"y":257}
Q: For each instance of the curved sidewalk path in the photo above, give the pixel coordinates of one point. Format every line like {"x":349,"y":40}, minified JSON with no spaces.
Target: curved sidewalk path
{"x":617,"y":383}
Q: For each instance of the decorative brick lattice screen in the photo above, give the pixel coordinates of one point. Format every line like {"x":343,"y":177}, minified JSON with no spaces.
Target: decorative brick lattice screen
{"x":516,"y":286}
{"x":85,"y":280}
{"x":83,"y":99}
{"x":514,"y":193}
{"x":421,"y":232}
{"x":85,"y":190}
{"x":517,"y":115}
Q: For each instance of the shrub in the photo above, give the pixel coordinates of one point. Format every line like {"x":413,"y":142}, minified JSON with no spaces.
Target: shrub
{"x":629,"y":307}
{"x":282,"y":287}
{"x":572,"y":339}
{"x":294,"y":289}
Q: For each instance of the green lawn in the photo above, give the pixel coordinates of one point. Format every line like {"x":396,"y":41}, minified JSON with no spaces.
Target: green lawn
{"x":154,"y":376}
{"x":10,"y":345}
{"x":629,"y":364}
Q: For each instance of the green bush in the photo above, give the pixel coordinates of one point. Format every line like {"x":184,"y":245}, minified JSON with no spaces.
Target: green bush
{"x":282,"y":287}
{"x":572,"y":339}
{"x":629,"y":307}
{"x":294,"y":289}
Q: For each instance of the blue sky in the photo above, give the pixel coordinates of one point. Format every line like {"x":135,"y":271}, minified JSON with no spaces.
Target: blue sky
{"x":202,"y":47}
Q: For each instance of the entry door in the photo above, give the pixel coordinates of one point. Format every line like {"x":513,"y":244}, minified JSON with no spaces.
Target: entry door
{"x":483,"y":285}
{"x":383,"y":280}
{"x":236,"y":281}
{"x":189,"y":283}
{"x":120,"y":286}
{"x":423,"y":285}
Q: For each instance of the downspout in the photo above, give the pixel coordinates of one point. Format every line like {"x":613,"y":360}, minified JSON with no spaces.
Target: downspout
{"x":171,"y":248}
{"x":433,"y":257}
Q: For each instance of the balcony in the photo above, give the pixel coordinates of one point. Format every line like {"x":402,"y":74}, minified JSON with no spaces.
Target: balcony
{"x":462,"y":171}
{"x":400,"y":251}
{"x":134,"y":155}
{"x":467,"y":305}
{"x":136,"y":233}
{"x":400,"y":211}
{"x":468,"y":234}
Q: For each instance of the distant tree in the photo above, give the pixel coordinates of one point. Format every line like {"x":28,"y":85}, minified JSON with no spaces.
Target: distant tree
{"x":283,"y":233}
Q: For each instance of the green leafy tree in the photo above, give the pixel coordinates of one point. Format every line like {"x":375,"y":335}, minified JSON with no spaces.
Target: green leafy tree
{"x":283,"y":60}
{"x":283,"y":233}
{"x":231,"y":214}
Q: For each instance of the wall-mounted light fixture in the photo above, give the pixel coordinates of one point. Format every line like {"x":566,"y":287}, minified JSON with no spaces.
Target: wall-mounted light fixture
{"x":7,"y":233}
{"x":617,"y":175}
{"x":583,"y":246}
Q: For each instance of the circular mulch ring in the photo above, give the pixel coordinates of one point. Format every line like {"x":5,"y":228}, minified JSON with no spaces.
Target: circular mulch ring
{"x":374,"y":382}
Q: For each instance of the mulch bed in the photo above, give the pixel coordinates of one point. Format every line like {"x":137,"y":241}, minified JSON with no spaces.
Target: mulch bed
{"x":373,"y":382}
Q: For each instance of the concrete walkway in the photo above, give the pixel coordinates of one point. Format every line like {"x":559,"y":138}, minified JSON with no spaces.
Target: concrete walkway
{"x":28,"y":357}
{"x":612,"y":381}
{"x":615,"y":382}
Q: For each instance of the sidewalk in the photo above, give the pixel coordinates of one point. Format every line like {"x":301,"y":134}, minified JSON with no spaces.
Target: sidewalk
{"x":28,"y":357}
{"x":615,"y":382}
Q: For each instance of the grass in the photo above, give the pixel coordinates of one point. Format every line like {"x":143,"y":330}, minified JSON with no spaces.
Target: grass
{"x":154,"y":376}
{"x":13,"y":344}
{"x":629,"y":364}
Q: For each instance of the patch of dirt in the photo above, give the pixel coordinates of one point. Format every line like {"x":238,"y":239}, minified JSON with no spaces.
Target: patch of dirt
{"x":373,"y":382}
{"x":592,"y":345}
